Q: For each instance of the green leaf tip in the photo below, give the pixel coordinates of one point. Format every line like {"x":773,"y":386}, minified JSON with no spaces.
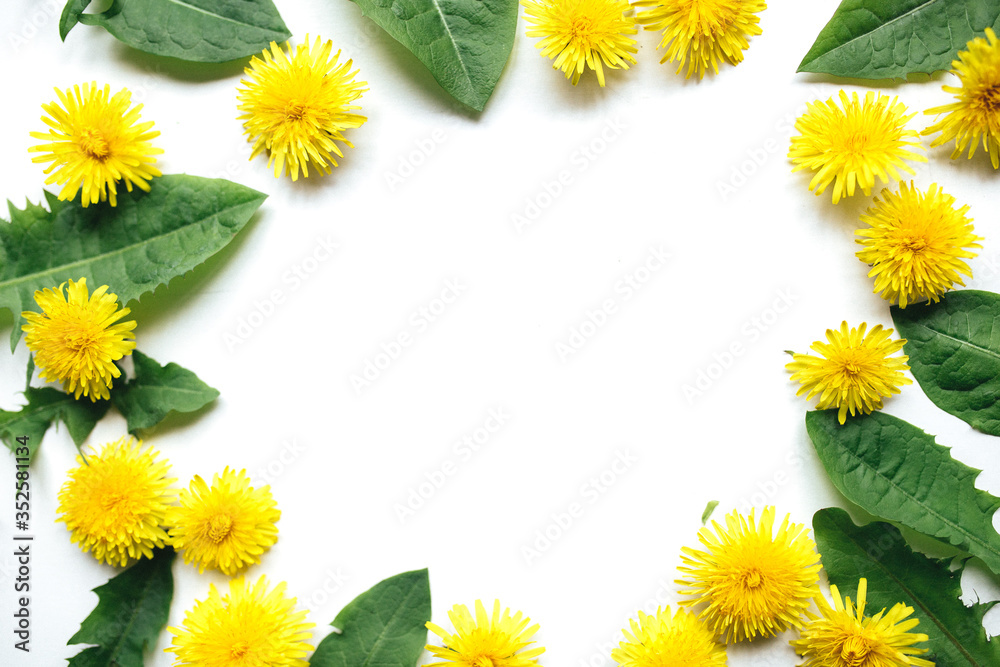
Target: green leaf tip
{"x":464,"y":43}
{"x":385,"y":625}
{"x":211,"y":31}
{"x":709,"y":508}
{"x":131,"y":611}
{"x":146,"y":399}
{"x":891,"y":39}
{"x":71,"y":14}
{"x":895,"y":471}
{"x":134,"y":247}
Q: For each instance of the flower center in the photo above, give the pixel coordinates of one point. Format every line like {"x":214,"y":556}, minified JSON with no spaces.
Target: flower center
{"x":295,"y":110}
{"x":94,"y":145}
{"x":219,"y":527}
{"x":990,"y":99}
{"x":753,"y":579}
{"x":582,"y":26}
{"x":854,"y":652}
{"x":483,"y":661}
{"x":857,"y":143}
{"x":80,"y":338}
{"x":112,"y":500}
{"x":913,"y":244}
{"x":239,"y":649}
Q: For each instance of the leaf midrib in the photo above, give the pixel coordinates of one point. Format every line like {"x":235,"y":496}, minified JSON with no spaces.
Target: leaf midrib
{"x":972,"y":537}
{"x":28,"y":411}
{"x":916,"y":599}
{"x":138,"y":607}
{"x":200,"y":10}
{"x":454,"y":44}
{"x":392,"y":618}
{"x":878,"y":27}
{"x":128,"y":628}
{"x":168,"y":388}
{"x":985,"y":350}
{"x":119,"y":251}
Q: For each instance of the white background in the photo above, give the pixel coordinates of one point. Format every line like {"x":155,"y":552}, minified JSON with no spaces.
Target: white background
{"x":341,"y":461}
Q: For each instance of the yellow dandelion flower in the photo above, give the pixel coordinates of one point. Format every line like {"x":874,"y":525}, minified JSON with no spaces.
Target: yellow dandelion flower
{"x":977,"y":112}
{"x":702,"y":33}
{"x":855,"y":371}
{"x":250,"y":626}
{"x":916,"y":244}
{"x":296,"y":106}
{"x":114,"y":503}
{"x":94,"y":141}
{"x":852,"y":145}
{"x":669,"y":640}
{"x":845,"y":637}
{"x":226,"y":526}
{"x":497,"y":641}
{"x":753,"y":582}
{"x":583,"y":33}
{"x":76,"y":339}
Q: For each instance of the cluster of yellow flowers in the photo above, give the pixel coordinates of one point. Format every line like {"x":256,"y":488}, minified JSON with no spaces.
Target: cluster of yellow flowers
{"x":119,"y":504}
{"x":296,"y":106}
{"x":916,"y":242}
{"x":747,"y":582}
{"x":594,"y":34}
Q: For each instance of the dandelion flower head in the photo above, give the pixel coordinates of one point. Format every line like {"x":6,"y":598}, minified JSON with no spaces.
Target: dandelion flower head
{"x":114,"y":503}
{"x":225,"y":526}
{"x":702,"y":33}
{"x":580,"y":34}
{"x":94,"y":141}
{"x":497,"y":640}
{"x":750,"y":581}
{"x":77,"y":338}
{"x":669,"y":640}
{"x":974,"y":117}
{"x":250,"y":627}
{"x":297,"y":105}
{"x":848,"y":145}
{"x":916,"y":244}
{"x":854,"y":371}
{"x":844,"y":637}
